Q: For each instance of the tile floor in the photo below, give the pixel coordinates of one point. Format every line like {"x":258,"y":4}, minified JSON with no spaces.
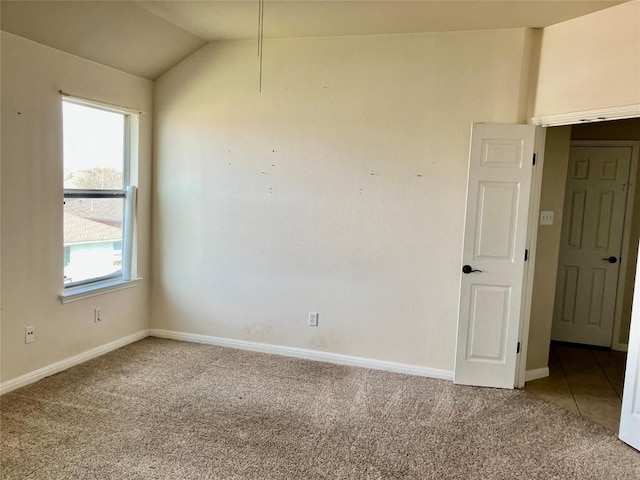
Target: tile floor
{"x":584,"y":380}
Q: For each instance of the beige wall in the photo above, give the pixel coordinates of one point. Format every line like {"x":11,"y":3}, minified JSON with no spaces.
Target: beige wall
{"x":554,"y":174}
{"x":620,"y":130}
{"x":31,"y":202}
{"x":339,"y":189}
{"x":590,"y":62}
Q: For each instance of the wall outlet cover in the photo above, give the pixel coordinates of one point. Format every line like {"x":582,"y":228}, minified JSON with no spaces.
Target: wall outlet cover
{"x":546,"y":218}
{"x":29,"y":334}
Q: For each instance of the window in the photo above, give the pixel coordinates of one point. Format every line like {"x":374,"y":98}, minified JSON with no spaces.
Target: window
{"x":98,"y":197}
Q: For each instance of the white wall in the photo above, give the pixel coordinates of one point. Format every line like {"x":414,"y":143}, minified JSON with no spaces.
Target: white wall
{"x":590,"y":62}
{"x":339,"y":189}
{"x":31,"y":236}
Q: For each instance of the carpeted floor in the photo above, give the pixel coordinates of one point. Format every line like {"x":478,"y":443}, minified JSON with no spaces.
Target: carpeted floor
{"x":160,"y":409}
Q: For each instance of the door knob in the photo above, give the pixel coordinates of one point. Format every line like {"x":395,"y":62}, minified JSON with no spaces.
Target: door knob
{"x":469,"y":269}
{"x":610,"y":259}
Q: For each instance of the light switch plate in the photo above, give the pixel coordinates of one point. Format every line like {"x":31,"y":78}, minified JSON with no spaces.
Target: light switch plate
{"x":546,"y":218}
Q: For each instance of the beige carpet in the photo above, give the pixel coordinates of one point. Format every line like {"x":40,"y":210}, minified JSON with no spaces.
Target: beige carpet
{"x":160,"y":409}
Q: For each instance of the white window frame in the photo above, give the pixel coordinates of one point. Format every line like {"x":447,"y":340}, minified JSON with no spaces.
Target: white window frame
{"x":125,"y":278}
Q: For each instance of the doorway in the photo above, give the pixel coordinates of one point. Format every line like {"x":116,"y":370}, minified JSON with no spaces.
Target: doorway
{"x":578,"y":377}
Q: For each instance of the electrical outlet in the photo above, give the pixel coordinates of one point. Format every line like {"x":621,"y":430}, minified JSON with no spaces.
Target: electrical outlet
{"x":29,"y":334}
{"x":96,"y":315}
{"x":313,"y":319}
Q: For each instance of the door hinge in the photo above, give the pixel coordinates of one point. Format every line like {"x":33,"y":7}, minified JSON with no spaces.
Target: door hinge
{"x":526,"y":255}
{"x":534,"y":158}
{"x":518,"y":349}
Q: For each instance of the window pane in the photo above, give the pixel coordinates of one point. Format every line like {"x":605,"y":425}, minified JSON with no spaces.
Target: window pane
{"x":93,"y":141}
{"x":92,"y":238}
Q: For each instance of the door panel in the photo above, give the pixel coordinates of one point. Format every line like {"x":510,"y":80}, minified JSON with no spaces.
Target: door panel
{"x":570,"y":290}
{"x":576,"y":218}
{"x":496,"y":217}
{"x":489,"y":321}
{"x":598,"y":282}
{"x":605,"y":214}
{"x":501,"y":153}
{"x":498,"y":190}
{"x":609,"y":169}
{"x":580,"y":169}
{"x":595,"y":201}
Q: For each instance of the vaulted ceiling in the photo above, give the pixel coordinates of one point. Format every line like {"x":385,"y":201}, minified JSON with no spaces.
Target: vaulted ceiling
{"x":146,"y":38}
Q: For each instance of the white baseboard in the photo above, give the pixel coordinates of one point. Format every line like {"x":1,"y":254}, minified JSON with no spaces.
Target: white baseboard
{"x":536,"y":373}
{"x":304,"y":353}
{"x":49,"y":370}
{"x":620,"y":347}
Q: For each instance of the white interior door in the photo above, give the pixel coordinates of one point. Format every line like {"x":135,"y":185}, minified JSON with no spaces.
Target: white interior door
{"x":590,"y":246}
{"x":630,"y":418}
{"x":491,"y":287}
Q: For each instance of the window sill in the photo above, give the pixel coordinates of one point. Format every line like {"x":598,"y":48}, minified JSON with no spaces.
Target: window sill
{"x":74,"y":294}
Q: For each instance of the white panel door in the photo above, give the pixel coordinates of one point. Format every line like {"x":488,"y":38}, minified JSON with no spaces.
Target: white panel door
{"x":590,"y":245}
{"x":495,"y":234}
{"x":630,"y":418}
